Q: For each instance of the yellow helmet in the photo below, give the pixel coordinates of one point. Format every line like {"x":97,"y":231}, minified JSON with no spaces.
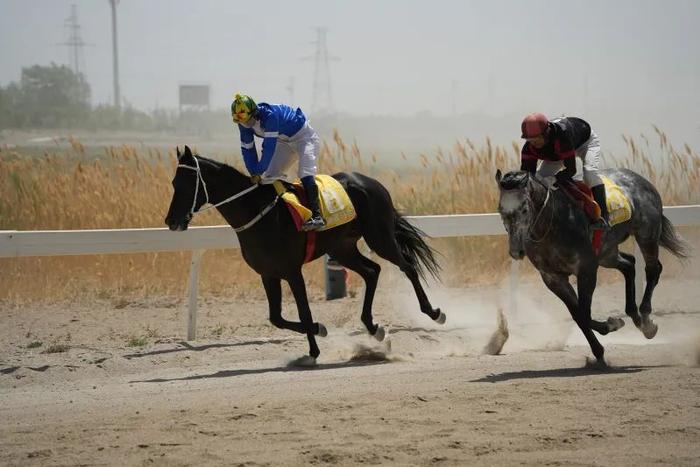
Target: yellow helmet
{"x":242,"y":108}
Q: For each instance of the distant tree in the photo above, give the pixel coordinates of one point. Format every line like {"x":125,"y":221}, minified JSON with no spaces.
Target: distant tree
{"x":54,"y":96}
{"x":10,"y":104}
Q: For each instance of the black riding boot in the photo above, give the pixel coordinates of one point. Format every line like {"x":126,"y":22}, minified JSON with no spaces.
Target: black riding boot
{"x":599,"y":196}
{"x":316,"y":221}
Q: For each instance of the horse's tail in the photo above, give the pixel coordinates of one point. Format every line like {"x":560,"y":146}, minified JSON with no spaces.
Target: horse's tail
{"x":672,"y":241}
{"x":414,"y":249}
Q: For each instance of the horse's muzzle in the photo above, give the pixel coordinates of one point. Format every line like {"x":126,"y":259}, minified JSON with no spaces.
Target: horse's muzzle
{"x":517,"y":255}
{"x":178,"y":226}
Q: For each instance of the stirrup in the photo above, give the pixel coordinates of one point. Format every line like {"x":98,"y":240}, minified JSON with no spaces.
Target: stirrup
{"x":314,"y":223}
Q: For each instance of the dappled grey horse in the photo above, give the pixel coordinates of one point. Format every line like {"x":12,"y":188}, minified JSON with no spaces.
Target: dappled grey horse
{"x":545,"y":224}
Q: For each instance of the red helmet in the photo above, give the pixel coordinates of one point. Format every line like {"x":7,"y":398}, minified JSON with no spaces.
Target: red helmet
{"x":534,"y":125}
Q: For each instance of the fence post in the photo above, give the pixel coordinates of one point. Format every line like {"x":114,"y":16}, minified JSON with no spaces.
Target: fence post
{"x":192,"y":294}
{"x":335,"y":279}
{"x":513,"y":280}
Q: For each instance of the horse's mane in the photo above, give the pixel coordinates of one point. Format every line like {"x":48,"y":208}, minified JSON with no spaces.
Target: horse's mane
{"x":218,"y":165}
{"x":514,"y":180}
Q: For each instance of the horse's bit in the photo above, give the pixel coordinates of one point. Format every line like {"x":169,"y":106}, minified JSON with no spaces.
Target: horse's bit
{"x":199,"y":178}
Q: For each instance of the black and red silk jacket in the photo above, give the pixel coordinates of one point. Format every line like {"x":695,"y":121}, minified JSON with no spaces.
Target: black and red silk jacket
{"x":566,"y":134}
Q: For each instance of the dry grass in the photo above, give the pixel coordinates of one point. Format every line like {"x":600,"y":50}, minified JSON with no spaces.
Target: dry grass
{"x":130,"y":188}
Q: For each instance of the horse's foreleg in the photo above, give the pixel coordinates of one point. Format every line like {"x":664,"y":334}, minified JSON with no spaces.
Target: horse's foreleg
{"x":586,"y":282}
{"x":273,"y":290}
{"x":296,"y":283}
{"x":560,"y":286}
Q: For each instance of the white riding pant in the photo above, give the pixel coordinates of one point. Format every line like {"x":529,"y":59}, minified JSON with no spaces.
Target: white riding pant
{"x":304,"y":146}
{"x":588,"y":153}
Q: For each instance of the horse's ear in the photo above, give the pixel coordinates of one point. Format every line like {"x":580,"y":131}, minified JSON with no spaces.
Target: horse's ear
{"x":177,"y":150}
{"x":498,"y":177}
{"x":188,"y":152}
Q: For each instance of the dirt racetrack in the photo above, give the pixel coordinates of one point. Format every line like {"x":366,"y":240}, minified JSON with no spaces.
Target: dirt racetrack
{"x":119,"y":387}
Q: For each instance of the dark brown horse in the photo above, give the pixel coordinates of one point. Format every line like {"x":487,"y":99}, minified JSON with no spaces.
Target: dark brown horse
{"x":272,"y":246}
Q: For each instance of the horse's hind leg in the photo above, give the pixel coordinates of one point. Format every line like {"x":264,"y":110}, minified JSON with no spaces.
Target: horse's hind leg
{"x":653,"y":268}
{"x":352,"y":259}
{"x":624,"y":263}
{"x":388,"y":248}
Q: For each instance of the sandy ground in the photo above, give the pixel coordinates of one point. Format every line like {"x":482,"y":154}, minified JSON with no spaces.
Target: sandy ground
{"x":126,"y":390}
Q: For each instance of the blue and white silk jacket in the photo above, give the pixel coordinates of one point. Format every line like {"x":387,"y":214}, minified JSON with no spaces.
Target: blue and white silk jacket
{"x":271,"y":122}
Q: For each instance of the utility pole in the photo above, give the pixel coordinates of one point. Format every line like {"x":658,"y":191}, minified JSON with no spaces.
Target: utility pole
{"x":74,"y":41}
{"x":322,"y":97}
{"x":115,"y":55}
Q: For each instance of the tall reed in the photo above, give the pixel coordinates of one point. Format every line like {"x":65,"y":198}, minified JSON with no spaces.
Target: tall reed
{"x":126,"y":187}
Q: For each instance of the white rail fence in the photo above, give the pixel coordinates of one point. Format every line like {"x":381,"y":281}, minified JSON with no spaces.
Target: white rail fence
{"x":14,"y":243}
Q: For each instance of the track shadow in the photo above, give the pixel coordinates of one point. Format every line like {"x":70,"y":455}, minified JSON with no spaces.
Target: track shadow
{"x":562,"y":373}
{"x":185,"y":346}
{"x":258,"y":371}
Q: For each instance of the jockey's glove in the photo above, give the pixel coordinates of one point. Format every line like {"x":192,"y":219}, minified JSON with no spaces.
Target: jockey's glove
{"x":255,"y":179}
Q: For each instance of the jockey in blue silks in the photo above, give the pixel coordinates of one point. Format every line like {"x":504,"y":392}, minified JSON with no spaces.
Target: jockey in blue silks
{"x":287,"y":136}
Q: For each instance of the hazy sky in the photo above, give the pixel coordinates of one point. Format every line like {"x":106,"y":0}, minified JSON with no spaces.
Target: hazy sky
{"x":608,"y":59}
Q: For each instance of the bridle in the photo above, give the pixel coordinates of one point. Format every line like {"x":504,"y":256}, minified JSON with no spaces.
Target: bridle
{"x":200,"y":179}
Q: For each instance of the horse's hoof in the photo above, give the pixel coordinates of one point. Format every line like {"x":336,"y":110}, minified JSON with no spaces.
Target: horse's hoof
{"x":597,"y":364}
{"x":615,"y":323}
{"x":649,"y":330}
{"x":322,"y":331}
{"x":305,"y":361}
{"x":441,"y":318}
{"x":379,"y":334}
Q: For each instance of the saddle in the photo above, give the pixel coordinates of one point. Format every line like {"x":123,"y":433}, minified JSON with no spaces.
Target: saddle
{"x":619,"y":206}
{"x":335,"y":204}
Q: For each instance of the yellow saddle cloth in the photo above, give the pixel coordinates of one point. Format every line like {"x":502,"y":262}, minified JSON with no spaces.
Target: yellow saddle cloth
{"x":335,"y":204}
{"x":619,"y":206}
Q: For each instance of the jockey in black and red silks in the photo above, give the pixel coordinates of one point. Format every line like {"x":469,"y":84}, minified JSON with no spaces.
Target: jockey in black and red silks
{"x":557,"y":143}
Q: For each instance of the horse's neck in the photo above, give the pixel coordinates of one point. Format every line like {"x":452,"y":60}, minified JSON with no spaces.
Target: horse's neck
{"x":227,"y":182}
{"x":546,"y":204}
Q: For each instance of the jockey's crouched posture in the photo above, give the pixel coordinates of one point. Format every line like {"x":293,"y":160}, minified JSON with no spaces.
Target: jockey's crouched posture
{"x":286,"y":134}
{"x":557,"y":143}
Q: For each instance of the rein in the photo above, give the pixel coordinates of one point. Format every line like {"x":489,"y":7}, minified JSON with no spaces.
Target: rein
{"x":200,"y":178}
{"x":539,"y":214}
